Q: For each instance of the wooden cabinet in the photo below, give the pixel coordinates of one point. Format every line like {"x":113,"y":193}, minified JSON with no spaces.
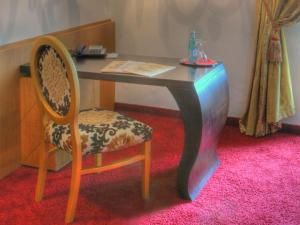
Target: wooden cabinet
{"x":31,"y":130}
{"x":31,"y":119}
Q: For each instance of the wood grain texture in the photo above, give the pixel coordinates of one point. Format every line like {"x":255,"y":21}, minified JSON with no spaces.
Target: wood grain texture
{"x":10,"y":109}
{"x":98,"y":159}
{"x":31,"y":130}
{"x":107,"y":94}
{"x":19,"y":113}
{"x":146,"y":151}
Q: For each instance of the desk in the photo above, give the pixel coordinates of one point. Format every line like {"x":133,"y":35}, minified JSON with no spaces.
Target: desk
{"x":201,"y":94}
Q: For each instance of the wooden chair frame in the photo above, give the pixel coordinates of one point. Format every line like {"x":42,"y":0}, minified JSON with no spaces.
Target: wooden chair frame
{"x":72,"y":118}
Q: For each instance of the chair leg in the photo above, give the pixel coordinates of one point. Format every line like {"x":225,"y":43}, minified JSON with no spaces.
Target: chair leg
{"x":74,"y":190}
{"x":98,"y":159}
{"x":42,"y":173}
{"x":146,"y":149}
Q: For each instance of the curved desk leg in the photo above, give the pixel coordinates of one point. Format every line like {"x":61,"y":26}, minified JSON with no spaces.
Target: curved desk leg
{"x":204,"y":108}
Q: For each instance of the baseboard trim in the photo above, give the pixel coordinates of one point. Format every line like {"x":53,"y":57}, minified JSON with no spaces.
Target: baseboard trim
{"x":231,"y":121}
{"x":286,"y":128}
{"x":147,"y":109}
{"x":290,"y":128}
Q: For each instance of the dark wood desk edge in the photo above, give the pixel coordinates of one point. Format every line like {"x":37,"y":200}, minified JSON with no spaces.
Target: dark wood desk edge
{"x":134,"y":79}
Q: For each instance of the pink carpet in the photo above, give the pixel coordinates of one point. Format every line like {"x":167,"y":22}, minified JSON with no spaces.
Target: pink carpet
{"x":258,"y":182}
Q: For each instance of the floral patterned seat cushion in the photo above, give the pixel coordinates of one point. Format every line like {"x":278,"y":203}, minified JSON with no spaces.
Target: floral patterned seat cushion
{"x":100,"y":131}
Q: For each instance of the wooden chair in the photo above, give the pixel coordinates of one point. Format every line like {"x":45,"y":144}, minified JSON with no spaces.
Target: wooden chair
{"x":92,"y":131}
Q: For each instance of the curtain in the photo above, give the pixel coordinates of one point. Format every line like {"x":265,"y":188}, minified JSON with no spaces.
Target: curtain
{"x":270,"y":98}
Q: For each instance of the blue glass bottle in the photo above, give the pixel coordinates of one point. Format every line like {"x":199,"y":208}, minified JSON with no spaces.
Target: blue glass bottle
{"x":192,"y":48}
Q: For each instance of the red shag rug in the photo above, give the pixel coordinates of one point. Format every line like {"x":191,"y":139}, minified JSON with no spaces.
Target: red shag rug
{"x":258,"y":182}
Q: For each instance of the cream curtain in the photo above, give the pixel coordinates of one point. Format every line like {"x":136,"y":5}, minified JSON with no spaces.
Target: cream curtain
{"x":271,"y":97}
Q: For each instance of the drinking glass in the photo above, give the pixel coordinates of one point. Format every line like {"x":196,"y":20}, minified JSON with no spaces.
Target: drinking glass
{"x":201,"y":56}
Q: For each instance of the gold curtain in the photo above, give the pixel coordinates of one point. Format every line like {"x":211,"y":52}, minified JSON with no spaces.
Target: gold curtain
{"x":270,"y":98}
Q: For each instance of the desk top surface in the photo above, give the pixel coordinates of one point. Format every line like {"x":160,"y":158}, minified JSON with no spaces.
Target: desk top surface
{"x":181,"y":75}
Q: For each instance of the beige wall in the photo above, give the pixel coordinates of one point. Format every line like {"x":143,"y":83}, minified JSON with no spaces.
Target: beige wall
{"x":20,"y":19}
{"x":161,"y":27}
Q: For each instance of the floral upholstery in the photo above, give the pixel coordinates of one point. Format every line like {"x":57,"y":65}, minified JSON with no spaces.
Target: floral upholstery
{"x":100,"y":131}
{"x":53,"y":80}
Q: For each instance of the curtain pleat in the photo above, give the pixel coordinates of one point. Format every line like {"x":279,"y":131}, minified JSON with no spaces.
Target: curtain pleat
{"x":271,"y":97}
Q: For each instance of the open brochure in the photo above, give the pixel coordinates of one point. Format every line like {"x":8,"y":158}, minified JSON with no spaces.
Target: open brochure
{"x":134,"y":67}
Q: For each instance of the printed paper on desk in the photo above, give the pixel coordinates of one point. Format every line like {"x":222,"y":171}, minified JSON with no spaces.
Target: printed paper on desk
{"x":134,"y":67}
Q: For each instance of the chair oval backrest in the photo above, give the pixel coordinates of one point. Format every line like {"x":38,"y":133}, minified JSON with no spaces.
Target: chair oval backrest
{"x":55,"y":79}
